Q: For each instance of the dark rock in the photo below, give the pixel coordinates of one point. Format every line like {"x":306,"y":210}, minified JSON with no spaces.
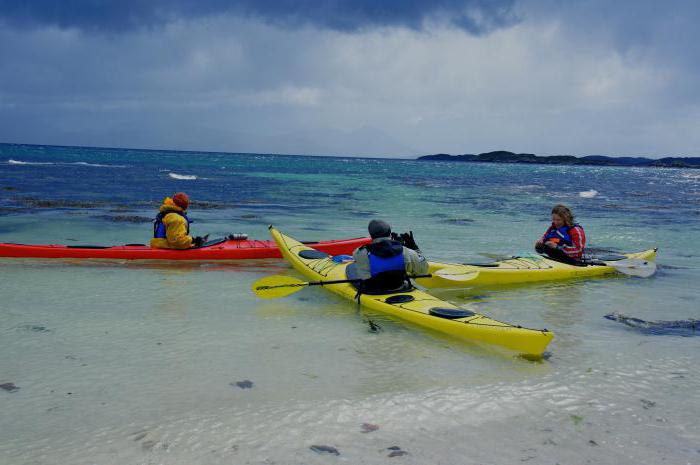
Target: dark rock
{"x":396,"y":451}
{"x":9,"y":387}
{"x":127,"y":218}
{"x":647,"y":404}
{"x":324,"y":450}
{"x":459,"y":221}
{"x":249,"y":216}
{"x":9,"y":188}
{"x":245,"y":384}
{"x":690,"y":327}
{"x":12,"y":210}
{"x":374,"y":327}
{"x":592,"y":443}
{"x":34,"y":328}
{"x":33,"y":202}
{"x":206,"y":205}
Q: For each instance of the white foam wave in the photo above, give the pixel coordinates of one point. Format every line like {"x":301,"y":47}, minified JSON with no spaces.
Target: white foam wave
{"x":588,"y":194}
{"x":186,"y":177}
{"x":19,"y":162}
{"x":80,"y":163}
{"x":96,"y":165}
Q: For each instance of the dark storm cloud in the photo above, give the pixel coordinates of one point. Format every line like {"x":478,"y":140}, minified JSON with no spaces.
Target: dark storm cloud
{"x":474,"y":16}
{"x":546,"y":76}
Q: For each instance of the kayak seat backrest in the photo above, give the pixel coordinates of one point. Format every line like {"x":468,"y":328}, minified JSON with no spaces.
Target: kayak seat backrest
{"x":351,"y":273}
{"x":450,"y":313}
{"x":311,"y":254}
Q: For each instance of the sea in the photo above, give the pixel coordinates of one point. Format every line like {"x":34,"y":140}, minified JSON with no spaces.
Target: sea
{"x":129,"y":363}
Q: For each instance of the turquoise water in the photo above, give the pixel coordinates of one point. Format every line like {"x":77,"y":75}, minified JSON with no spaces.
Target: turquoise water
{"x":138,"y":363}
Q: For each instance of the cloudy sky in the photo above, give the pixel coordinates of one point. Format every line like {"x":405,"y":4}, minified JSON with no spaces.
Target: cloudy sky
{"x":363,"y":77}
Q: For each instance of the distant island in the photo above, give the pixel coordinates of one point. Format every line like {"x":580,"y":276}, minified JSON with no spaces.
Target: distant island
{"x":502,"y":156}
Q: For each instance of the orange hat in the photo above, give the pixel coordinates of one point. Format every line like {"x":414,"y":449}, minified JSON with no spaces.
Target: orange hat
{"x":181,"y":200}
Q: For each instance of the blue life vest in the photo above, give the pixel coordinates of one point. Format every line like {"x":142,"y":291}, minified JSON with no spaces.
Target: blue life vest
{"x":387,"y":267}
{"x":159,"y":226}
{"x":560,"y":236}
{"x":379,"y":264}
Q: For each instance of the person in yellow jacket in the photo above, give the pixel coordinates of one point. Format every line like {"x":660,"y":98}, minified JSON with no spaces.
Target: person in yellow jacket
{"x":171,"y":229}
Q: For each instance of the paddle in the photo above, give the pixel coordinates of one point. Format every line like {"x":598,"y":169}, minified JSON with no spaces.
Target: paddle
{"x":273,"y":287}
{"x":633,"y":267}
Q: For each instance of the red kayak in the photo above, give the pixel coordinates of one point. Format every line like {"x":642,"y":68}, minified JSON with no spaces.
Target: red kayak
{"x":223,"y":249}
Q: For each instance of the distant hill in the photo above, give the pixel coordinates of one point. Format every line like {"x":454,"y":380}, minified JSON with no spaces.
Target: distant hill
{"x":502,"y":156}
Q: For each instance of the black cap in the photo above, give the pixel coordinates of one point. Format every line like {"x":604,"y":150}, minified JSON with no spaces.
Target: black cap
{"x":379,"y":228}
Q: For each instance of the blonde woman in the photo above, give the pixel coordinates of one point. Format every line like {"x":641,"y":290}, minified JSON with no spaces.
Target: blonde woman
{"x":564,"y":239}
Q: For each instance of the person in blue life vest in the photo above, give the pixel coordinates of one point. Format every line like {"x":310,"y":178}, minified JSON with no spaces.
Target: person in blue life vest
{"x":171,"y":228}
{"x":389,"y":259}
{"x":564,"y":240}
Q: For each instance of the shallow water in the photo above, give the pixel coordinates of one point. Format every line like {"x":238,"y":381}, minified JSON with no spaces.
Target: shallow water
{"x":138,"y":363}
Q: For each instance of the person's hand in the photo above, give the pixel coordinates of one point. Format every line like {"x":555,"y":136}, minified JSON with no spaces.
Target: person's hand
{"x":550,"y":244}
{"x":396,"y":237}
{"x":408,"y":240}
{"x":197,"y":241}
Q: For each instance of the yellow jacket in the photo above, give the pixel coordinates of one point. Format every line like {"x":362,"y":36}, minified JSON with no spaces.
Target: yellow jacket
{"x":175,"y":229}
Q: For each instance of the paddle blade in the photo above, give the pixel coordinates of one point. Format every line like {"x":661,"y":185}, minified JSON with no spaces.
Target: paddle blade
{"x":273,"y":287}
{"x":634,"y":267}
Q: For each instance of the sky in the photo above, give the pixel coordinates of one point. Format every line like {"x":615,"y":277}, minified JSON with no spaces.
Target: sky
{"x":365,"y":78}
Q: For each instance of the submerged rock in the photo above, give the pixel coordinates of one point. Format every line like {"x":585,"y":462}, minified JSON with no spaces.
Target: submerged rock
{"x":245,"y":384}
{"x":459,"y":221}
{"x":324,"y":450}
{"x":647,"y":404}
{"x":127,"y":218}
{"x":206,"y":205}
{"x":396,"y":451}
{"x":34,"y":328}
{"x":689,"y":327}
{"x":33,"y":202}
{"x":9,"y":387}
{"x":374,"y":327}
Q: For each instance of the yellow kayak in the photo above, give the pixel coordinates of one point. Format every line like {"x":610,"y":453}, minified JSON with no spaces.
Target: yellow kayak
{"x":518,"y":270}
{"x":413,"y":305}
